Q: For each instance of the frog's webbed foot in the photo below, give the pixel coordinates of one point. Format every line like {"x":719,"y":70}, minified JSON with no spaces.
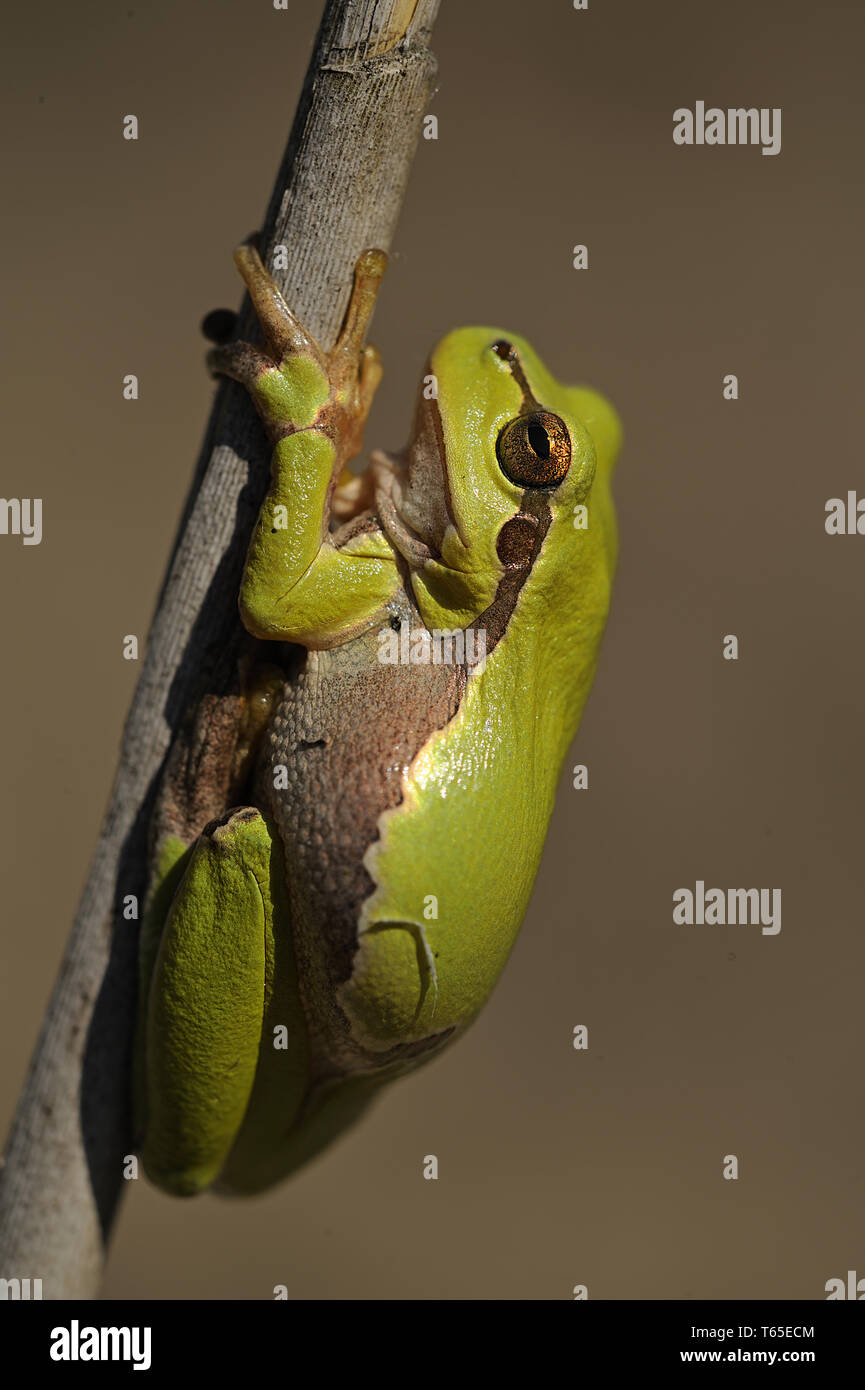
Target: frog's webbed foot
{"x":332,"y":391}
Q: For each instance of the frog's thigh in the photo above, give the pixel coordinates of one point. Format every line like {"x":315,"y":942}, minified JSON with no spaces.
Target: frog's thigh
{"x":212,"y":990}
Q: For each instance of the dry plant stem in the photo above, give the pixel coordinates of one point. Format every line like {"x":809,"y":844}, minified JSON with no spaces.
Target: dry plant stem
{"x":339,"y":190}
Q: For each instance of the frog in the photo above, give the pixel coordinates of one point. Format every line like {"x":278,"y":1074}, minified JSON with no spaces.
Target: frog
{"x":445,"y":608}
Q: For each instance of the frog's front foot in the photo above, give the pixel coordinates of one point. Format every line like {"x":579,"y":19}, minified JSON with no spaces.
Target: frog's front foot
{"x":294,"y":384}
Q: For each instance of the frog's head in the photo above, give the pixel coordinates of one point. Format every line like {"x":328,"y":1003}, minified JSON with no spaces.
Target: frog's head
{"x":505,"y":478}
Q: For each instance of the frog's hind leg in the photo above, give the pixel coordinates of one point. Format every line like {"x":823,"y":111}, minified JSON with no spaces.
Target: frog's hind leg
{"x":223,"y":979}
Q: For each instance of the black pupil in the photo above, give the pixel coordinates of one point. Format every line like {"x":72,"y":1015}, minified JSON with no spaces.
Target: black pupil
{"x":539,"y":440}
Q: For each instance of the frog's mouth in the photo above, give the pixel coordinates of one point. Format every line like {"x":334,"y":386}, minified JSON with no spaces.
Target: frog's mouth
{"x":411,"y":489}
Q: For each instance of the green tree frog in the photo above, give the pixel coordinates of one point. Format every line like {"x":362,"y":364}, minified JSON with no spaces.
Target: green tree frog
{"x":352,"y":918}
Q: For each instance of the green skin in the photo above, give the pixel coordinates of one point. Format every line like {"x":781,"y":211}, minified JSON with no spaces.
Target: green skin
{"x":231,"y":949}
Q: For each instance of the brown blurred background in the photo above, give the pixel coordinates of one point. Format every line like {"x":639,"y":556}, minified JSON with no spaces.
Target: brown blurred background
{"x":556,"y":1167}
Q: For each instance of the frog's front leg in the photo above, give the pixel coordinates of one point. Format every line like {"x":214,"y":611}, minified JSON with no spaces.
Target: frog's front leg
{"x":303,"y":582}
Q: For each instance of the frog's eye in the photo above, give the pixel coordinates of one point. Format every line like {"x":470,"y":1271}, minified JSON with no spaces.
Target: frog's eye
{"x":535,"y":450}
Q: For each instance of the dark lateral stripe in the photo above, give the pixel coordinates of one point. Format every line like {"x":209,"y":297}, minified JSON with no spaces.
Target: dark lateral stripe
{"x":508,"y":353}
{"x":519,"y":545}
